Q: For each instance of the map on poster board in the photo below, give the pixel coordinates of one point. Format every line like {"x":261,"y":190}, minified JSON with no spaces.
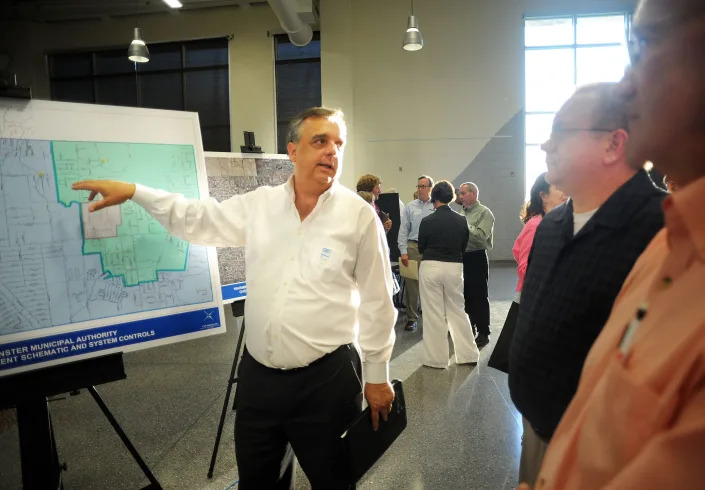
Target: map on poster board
{"x":75,"y":284}
{"x":238,"y":173}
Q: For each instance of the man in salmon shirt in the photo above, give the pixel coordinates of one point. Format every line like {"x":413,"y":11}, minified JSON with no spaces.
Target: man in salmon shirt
{"x":638,"y":417}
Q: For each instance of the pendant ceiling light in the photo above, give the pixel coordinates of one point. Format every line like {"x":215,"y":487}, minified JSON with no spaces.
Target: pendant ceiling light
{"x":138,"y":51}
{"x":413,"y":41}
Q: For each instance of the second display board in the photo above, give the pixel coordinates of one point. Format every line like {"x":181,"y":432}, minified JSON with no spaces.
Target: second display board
{"x":238,"y":173}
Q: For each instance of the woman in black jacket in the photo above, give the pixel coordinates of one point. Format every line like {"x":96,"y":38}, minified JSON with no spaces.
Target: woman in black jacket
{"x":443,"y":237}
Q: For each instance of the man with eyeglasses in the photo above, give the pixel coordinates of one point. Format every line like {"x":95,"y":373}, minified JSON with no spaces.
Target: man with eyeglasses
{"x":476,"y":269}
{"x":638,"y":417}
{"x":408,"y":241}
{"x":582,"y":252}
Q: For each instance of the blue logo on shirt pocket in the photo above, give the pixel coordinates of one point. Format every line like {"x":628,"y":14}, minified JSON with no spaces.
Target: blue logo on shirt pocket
{"x":325,"y":254}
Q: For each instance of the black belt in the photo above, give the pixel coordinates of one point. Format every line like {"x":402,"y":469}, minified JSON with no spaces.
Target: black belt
{"x":415,"y":241}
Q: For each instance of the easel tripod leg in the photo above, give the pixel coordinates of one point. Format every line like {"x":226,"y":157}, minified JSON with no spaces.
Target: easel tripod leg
{"x":231,"y":381}
{"x":40,"y":461}
{"x":154,"y":484}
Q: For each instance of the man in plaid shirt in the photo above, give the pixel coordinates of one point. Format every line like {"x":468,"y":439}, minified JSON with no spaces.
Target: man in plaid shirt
{"x":582,"y":252}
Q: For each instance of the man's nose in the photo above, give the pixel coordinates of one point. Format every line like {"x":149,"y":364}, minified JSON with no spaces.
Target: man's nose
{"x":332,"y":149}
{"x":329,"y":153}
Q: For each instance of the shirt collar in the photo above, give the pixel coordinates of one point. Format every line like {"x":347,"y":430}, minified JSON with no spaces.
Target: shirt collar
{"x":685,"y":214}
{"x":289,"y":187}
{"x":618,"y":208}
{"x":472,"y":206}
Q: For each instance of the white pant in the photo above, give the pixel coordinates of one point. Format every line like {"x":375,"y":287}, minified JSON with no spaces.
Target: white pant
{"x":441,"y":288}
{"x":533,"y":449}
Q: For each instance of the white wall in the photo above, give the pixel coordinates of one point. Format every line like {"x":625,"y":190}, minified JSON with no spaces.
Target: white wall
{"x":452,"y":110}
{"x":337,"y":77}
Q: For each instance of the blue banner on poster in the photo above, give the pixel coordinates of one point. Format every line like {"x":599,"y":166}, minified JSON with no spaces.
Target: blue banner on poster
{"x":234,"y":292}
{"x":43,"y":349}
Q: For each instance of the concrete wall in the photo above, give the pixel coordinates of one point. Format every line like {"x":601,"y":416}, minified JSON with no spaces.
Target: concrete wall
{"x":453,"y":110}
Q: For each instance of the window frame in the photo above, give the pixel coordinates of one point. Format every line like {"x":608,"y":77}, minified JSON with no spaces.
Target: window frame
{"x":575,"y":46}
{"x":141,"y":71}
{"x":281,"y":62}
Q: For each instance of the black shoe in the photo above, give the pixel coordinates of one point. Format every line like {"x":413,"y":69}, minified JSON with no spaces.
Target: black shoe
{"x":482,"y":340}
{"x":410,"y":326}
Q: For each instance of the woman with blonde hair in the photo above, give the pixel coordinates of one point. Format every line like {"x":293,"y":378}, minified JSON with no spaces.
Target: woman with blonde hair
{"x":373,"y":184}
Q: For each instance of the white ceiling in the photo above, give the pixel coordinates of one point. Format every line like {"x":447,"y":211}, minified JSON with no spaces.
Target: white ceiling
{"x":68,"y":10}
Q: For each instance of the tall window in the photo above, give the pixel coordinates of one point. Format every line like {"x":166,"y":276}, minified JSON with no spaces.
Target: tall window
{"x":191,"y":76}
{"x":298,"y":78}
{"x":561,"y":54}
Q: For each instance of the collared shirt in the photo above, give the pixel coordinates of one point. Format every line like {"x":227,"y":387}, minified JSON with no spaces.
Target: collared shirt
{"x":638,"y":418}
{"x":312,"y":285}
{"x":569,"y":289}
{"x":480,"y":224}
{"x":411,"y":218}
{"x":581,"y":219}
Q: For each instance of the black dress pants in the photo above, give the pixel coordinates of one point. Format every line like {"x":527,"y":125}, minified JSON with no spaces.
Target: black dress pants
{"x":476,"y":273}
{"x":302,"y":411}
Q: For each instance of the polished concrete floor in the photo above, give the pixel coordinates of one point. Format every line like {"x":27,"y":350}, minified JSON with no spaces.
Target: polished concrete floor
{"x":463,"y":431}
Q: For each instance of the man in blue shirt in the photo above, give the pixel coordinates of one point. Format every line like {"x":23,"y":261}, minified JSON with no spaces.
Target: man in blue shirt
{"x":408,"y":238}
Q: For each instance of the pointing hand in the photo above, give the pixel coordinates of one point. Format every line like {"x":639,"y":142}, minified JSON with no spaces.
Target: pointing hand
{"x":114,"y":192}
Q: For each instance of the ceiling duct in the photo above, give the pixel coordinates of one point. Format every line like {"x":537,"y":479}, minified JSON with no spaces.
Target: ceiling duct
{"x":300,"y":33}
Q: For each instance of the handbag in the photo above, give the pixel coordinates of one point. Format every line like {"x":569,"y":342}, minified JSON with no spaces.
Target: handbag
{"x":499,"y":359}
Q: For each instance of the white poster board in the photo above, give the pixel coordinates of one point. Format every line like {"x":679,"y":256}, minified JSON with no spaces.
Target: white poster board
{"x":75,"y":284}
{"x":239,"y":173}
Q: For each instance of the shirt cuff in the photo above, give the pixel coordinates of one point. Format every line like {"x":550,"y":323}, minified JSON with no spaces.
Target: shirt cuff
{"x":143,"y":194}
{"x":375,"y":372}
{"x":403,"y":251}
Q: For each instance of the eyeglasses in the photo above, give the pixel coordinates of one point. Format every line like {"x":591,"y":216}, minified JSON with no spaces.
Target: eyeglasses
{"x":423,"y":186}
{"x":643,"y":37}
{"x":635,"y":47}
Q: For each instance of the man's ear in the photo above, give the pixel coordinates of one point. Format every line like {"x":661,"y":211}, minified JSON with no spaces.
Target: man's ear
{"x":616,"y":146}
{"x":291,"y":150}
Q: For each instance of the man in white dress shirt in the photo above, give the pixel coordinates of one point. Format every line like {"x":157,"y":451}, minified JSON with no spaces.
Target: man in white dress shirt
{"x":318,"y":281}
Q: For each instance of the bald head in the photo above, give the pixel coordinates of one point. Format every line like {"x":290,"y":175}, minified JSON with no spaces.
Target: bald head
{"x":471,"y":187}
{"x":467,"y":194}
{"x":606,"y":109}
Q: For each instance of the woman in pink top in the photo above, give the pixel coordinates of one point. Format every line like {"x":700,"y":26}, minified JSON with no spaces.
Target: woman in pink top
{"x":543,"y":198}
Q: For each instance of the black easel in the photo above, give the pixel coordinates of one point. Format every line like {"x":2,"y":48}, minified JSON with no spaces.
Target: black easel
{"x":28,"y":392}
{"x":238,"y":310}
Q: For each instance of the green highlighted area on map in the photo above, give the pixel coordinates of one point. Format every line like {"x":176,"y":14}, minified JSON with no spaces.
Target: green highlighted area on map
{"x":130,"y":242}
